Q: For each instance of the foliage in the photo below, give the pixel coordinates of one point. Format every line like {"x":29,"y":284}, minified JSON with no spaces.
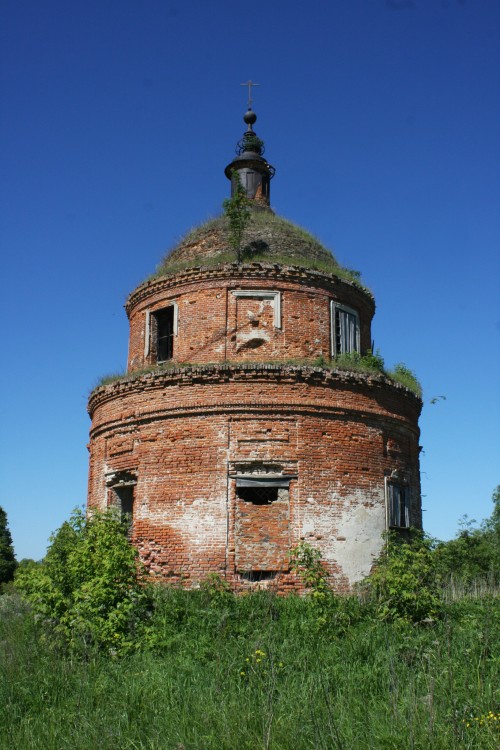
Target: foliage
{"x":8,"y":562}
{"x":305,"y":561}
{"x":237,"y":210}
{"x":402,"y":374}
{"x":403,"y":582}
{"x":88,"y":589}
{"x":285,"y":243}
{"x":368,"y":362}
{"x":252,"y":142}
{"x":331,"y":613}
{"x":377,"y":685}
{"x":475,"y":551}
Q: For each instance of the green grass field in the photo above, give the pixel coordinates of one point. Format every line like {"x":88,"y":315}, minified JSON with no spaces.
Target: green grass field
{"x":219,"y":672}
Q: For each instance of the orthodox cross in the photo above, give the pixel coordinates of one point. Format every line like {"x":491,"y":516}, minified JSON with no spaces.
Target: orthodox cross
{"x":249,"y":84}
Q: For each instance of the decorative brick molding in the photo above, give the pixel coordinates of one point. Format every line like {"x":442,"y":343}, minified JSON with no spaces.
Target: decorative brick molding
{"x":245,"y":271}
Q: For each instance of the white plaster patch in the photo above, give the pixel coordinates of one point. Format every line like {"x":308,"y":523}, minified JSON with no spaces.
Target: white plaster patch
{"x":362,"y":527}
{"x":202,"y":522}
{"x":348,"y":531}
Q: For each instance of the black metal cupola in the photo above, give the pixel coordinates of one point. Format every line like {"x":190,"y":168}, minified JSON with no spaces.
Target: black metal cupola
{"x":250,"y":166}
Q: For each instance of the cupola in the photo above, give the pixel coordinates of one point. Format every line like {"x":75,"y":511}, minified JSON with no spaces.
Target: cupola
{"x":250,"y":166}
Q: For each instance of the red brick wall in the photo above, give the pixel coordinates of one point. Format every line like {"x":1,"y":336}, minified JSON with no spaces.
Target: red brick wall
{"x":187,"y":434}
{"x":215,"y":324}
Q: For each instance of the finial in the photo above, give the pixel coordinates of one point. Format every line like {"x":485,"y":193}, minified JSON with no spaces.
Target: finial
{"x":250,"y":169}
{"x":249,"y":117}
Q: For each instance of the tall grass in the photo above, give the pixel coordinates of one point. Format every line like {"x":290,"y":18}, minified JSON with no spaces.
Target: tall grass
{"x":223,"y":672}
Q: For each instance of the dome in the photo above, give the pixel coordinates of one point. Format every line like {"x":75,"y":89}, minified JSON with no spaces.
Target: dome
{"x":267,"y":238}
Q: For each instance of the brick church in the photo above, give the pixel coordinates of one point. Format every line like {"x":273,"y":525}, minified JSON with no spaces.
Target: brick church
{"x":233,"y":434}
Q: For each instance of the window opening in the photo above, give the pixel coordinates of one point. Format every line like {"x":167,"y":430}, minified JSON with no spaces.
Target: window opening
{"x":164,"y":334}
{"x":125,"y":501}
{"x":258,"y":575}
{"x":398,"y":496}
{"x":258,"y":495}
{"x":345,"y":330}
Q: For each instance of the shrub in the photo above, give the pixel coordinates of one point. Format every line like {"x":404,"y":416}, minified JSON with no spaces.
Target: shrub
{"x":403,"y":582}
{"x":402,"y":374}
{"x":475,"y":551}
{"x":89,"y":588}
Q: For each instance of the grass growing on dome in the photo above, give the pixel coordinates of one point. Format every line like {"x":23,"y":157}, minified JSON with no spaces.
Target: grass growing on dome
{"x":268,"y":238}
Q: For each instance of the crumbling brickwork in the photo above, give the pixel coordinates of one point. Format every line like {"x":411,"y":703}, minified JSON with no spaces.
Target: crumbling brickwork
{"x":233,"y":437}
{"x":223,"y":314}
{"x":325,"y":441}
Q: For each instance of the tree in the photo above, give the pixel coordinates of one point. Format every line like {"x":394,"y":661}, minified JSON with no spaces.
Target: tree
{"x":8,"y":562}
{"x":89,"y":589}
{"x":237,"y":210}
{"x":475,"y":551}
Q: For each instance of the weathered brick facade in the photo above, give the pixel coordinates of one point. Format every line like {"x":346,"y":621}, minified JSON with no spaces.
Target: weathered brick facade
{"x":231,"y":440}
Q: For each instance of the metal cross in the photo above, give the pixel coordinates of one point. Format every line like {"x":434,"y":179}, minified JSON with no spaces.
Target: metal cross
{"x":249,"y":84}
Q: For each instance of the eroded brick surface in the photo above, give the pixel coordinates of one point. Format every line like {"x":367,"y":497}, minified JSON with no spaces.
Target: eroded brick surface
{"x":187,"y":435}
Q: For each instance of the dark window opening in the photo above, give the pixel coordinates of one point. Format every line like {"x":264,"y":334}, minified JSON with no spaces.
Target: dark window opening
{"x":399,"y":505}
{"x":164,"y":333}
{"x":125,"y":498}
{"x":258,"y":575}
{"x":258,"y":495}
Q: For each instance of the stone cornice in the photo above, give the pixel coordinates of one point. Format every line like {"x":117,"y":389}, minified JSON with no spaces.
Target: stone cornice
{"x":244,"y":272}
{"x":220,"y":373}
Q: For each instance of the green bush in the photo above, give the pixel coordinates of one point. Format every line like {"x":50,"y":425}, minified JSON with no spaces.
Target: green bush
{"x":403,"y":583}
{"x":89,"y":588}
{"x":475,"y":552}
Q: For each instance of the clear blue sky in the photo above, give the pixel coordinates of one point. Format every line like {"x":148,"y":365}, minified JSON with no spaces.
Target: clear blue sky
{"x":118,"y":118}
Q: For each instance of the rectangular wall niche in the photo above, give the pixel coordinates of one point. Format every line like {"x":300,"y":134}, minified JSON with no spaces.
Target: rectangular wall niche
{"x":262,"y":526}
{"x":255,"y":323}
{"x":274,"y":298}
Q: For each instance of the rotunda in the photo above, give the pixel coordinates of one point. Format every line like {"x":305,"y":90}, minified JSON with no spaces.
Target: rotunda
{"x":250,"y":418}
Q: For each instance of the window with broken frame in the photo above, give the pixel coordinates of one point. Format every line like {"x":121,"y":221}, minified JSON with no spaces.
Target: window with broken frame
{"x":160,"y":333}
{"x":344,"y":329}
{"x":398,"y":505}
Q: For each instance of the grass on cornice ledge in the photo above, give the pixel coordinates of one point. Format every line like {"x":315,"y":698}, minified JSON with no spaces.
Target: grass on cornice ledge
{"x":369,"y":364}
{"x":228,"y":257}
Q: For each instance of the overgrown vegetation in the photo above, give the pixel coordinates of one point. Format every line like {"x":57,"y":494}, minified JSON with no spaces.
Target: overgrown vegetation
{"x":8,"y":562}
{"x":474,"y":554}
{"x":269,"y":239}
{"x":92,"y":656}
{"x":89,"y":590}
{"x":237,"y":212}
{"x":368,"y":363}
{"x":404,"y":585}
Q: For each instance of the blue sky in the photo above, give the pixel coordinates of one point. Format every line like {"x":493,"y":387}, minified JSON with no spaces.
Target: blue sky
{"x":118,"y":118}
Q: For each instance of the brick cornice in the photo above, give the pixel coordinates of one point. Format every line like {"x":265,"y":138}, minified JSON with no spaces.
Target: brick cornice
{"x":220,"y":373}
{"x":243,"y":272}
